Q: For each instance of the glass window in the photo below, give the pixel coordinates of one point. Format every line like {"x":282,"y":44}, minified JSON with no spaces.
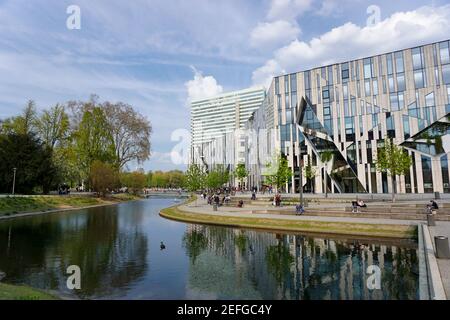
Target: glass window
{"x":444,"y":52}
{"x":367,"y":87}
{"x":399,"y":62}
{"x":345,"y":90}
{"x":394,"y":102}
{"x":345,"y":72}
{"x":429,"y":100}
{"x":417,"y":58}
{"x":375,"y":87}
{"x":401,"y":86}
{"x":325,"y":94}
{"x":446,"y":73}
{"x":294,"y":82}
{"x":307,"y":79}
{"x":367,"y":69}
{"x":448,"y":94}
{"x":353,"y":101}
{"x":391,"y":84}
{"x":277,"y":85}
{"x":390,"y":69}
{"x":401,"y":100}
{"x":419,"y":79}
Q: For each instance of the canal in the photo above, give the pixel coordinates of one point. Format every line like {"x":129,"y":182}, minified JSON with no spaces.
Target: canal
{"x":118,"y":251}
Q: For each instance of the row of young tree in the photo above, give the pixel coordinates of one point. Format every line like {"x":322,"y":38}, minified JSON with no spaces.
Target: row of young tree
{"x":391,"y":159}
{"x":79,"y":142}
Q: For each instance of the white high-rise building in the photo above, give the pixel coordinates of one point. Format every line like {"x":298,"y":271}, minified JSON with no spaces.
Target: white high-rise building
{"x":215,"y":117}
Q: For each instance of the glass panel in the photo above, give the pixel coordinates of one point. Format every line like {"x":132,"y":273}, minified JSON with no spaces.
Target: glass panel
{"x":446,"y":73}
{"x":444,"y":52}
{"x":399,"y":62}
{"x":401,"y":86}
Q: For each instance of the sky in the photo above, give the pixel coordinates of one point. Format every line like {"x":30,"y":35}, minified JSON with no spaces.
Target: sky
{"x":159,"y":55}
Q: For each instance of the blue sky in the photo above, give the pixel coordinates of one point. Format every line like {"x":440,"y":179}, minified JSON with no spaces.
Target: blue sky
{"x":157,"y":55}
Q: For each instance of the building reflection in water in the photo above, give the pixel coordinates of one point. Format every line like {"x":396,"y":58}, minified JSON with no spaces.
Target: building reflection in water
{"x":232,"y":263}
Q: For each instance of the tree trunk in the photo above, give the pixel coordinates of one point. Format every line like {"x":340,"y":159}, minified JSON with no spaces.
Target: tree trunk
{"x":394,"y":187}
{"x":326,"y":186}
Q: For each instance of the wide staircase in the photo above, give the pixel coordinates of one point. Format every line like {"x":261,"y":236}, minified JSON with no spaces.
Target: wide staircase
{"x":403,"y":210}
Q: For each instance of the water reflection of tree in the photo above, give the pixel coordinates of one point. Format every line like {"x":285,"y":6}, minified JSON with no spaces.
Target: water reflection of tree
{"x":194,"y":242}
{"x":401,"y":278}
{"x":110,"y":256}
{"x":279,"y":261}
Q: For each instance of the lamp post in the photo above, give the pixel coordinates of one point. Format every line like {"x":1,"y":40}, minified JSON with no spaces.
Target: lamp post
{"x":14,"y":180}
{"x":301,"y":181}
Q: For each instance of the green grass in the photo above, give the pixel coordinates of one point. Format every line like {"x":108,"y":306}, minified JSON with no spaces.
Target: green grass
{"x":12,"y":292}
{"x":356,"y":229}
{"x":15,"y":205}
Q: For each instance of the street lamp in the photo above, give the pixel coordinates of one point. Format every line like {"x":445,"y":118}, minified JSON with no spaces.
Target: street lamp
{"x":14,"y":180}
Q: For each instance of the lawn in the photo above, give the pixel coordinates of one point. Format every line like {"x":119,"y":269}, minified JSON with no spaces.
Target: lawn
{"x":12,"y":292}
{"x":357,"y":229}
{"x":14,"y":205}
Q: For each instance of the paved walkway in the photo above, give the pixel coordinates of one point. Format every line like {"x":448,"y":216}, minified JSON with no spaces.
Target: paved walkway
{"x":203,"y":208}
{"x":442,"y":228}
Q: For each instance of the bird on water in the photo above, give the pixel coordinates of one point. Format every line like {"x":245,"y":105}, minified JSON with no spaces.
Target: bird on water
{"x":162,"y":246}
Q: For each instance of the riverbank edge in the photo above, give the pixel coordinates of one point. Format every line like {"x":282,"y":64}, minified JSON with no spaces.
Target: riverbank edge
{"x":24,"y":292}
{"x":314,"y":227}
{"x":60,"y":210}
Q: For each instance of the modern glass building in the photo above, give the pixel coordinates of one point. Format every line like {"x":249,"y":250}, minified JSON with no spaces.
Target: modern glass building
{"x":350,"y":109}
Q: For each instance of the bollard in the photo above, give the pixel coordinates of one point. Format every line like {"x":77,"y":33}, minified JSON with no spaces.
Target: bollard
{"x":431,"y":220}
{"x":215,"y":207}
{"x":442,"y":247}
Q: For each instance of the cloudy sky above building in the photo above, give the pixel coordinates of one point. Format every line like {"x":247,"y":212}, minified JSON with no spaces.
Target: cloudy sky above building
{"x":159,"y":55}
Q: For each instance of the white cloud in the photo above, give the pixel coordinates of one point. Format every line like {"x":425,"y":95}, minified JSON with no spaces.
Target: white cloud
{"x":273,"y":34}
{"x":349,"y":41}
{"x":288,"y":9}
{"x":202,"y":86}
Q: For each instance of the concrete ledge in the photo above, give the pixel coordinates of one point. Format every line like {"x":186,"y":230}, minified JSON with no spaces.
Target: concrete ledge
{"x":435,"y":286}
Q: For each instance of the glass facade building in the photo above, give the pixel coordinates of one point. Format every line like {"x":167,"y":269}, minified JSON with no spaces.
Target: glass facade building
{"x":350,"y":109}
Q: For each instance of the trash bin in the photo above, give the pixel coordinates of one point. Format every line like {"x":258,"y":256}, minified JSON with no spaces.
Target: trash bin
{"x":215,"y":207}
{"x":431,"y":220}
{"x":437,"y":195}
{"x":442,"y":247}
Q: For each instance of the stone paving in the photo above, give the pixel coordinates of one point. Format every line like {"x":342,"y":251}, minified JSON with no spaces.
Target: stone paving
{"x":442,"y":228}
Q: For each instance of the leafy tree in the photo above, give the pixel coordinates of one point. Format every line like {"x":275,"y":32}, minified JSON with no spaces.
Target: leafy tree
{"x":217,"y":177}
{"x":33,"y":161}
{"x":195,"y":178}
{"x":53,"y":126}
{"x":393,"y":160}
{"x":278,"y":172}
{"x":130,"y":131}
{"x":325,"y":157}
{"x":103,"y":177}
{"x":310,"y":173}
{"x":23,"y":124}
{"x":93,"y":140}
{"x":241,"y":173}
{"x":134,"y":181}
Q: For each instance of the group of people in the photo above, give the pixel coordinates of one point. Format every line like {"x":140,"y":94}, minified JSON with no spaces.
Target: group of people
{"x":217,"y":198}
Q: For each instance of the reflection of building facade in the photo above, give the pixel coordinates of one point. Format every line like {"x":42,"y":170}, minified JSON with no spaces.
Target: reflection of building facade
{"x":237,"y":264}
{"x":350,"y":109}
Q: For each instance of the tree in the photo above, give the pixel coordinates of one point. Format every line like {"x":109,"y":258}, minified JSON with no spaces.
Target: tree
{"x":241,"y":173}
{"x":134,"y":181}
{"x":310,"y":173}
{"x":93,"y":140}
{"x":278,"y":172}
{"x":325,"y":157}
{"x":103,"y":177}
{"x":53,"y":126}
{"x":130,"y":131}
{"x":393,"y":160}
{"x":23,"y":124}
{"x":217,"y":177}
{"x":31,"y":158}
{"x":194,"y":178}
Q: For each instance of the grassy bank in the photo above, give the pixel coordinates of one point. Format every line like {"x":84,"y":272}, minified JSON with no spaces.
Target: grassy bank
{"x":12,"y":292}
{"x":341,"y":228}
{"x":15,"y":205}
